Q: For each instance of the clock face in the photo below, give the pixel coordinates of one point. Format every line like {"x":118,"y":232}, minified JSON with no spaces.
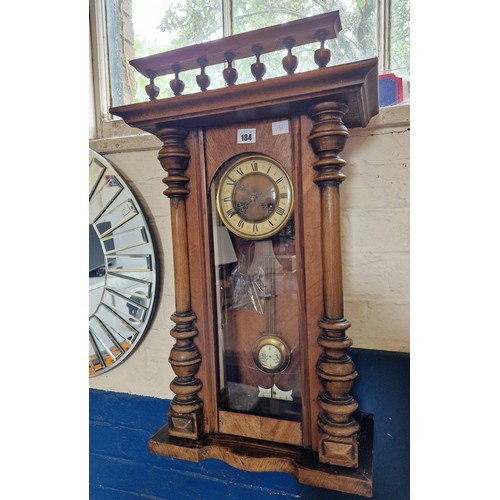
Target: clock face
{"x":255,"y":197}
{"x":122,"y":268}
{"x":271,"y":354}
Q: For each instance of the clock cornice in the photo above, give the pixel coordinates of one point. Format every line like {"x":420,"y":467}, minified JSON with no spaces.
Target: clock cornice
{"x":354,"y":84}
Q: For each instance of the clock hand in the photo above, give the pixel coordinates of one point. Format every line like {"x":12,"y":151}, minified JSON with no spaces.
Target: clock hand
{"x":254,"y":195}
{"x":241,"y":186}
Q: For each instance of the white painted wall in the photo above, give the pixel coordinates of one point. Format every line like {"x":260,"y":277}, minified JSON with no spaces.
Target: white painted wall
{"x":375,"y":225}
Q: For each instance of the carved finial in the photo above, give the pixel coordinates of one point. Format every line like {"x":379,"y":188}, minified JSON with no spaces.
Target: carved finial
{"x":203,"y":80}
{"x":322,"y":55}
{"x":258,"y":69}
{"x":176,"y":84}
{"x":230,"y":74}
{"x":290,"y":61}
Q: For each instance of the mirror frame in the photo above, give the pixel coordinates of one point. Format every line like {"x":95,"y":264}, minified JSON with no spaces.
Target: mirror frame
{"x":123,"y":288}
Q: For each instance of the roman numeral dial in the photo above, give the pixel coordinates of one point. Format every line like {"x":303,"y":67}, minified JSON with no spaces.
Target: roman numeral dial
{"x":254,"y":196}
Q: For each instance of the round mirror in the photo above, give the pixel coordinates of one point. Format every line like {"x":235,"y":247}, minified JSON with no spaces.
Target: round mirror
{"x":122,"y":268}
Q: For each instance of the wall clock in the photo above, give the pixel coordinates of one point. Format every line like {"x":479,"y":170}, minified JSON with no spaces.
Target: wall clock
{"x":122,"y":268}
{"x":253,"y":177}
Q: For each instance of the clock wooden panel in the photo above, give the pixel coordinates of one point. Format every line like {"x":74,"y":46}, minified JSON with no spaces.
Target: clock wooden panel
{"x":260,"y":356}
{"x":313,"y":281}
{"x":221,"y":145}
{"x":267,"y":429}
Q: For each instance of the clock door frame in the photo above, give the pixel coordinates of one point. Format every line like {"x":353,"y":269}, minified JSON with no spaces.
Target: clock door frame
{"x":220,"y":145}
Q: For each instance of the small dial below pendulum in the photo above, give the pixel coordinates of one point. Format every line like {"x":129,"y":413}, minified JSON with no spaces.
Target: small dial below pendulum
{"x":270,"y":357}
{"x":271,"y":354}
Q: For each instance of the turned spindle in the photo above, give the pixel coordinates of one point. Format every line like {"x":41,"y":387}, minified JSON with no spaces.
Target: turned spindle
{"x":290,"y":61}
{"x":176,"y":84}
{"x":258,"y":69}
{"x":323,"y":54}
{"x":152,"y":90}
{"x":203,"y":80}
{"x":230,"y":74}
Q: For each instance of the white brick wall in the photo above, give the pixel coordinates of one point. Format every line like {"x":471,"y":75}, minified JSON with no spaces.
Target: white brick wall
{"x":375,"y":225}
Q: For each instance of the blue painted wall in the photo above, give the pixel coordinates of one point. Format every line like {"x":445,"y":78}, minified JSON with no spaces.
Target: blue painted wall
{"x":121,"y":467}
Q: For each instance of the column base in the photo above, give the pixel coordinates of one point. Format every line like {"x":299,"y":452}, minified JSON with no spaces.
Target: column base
{"x":185,"y":425}
{"x":338,"y":451}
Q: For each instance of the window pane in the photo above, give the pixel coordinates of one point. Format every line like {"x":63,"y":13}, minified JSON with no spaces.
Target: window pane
{"x":357,"y":40}
{"x":400,"y":38}
{"x":138,"y":28}
{"x":151,"y":26}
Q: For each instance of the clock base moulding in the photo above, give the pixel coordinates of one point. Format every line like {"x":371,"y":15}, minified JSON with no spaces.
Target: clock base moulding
{"x":261,"y":456}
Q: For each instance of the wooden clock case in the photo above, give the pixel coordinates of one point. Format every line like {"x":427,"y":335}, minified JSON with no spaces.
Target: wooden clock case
{"x":328,"y":447}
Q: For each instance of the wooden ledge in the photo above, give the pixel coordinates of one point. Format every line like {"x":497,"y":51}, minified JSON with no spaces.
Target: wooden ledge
{"x":261,"y":456}
{"x":355,"y":84}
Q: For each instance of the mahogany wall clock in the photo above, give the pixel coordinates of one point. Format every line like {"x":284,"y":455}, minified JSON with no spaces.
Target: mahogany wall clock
{"x":253,"y":177}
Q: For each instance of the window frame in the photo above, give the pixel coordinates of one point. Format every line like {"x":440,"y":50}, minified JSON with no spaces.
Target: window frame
{"x":102,"y":123}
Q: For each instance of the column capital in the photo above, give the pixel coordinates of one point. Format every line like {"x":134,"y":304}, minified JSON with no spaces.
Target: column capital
{"x":328,"y":138}
{"x":174,"y":158}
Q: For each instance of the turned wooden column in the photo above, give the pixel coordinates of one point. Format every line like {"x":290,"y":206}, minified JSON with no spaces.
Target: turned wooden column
{"x":185,"y":416}
{"x":338,"y":439}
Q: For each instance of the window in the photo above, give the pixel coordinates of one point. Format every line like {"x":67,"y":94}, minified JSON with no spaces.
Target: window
{"x":126,"y":29}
